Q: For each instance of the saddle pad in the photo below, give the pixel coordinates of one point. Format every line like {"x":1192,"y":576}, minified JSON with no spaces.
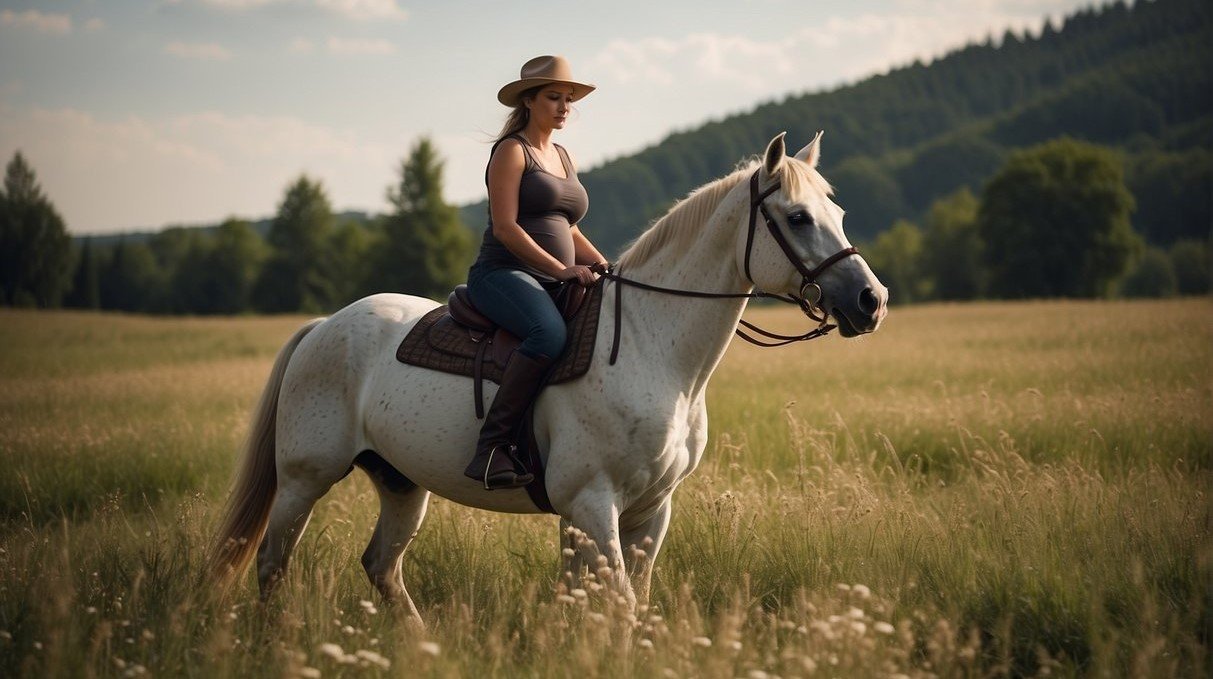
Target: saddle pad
{"x":437,"y":343}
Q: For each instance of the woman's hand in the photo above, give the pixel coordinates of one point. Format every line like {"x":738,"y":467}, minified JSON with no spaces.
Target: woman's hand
{"x":580,"y":273}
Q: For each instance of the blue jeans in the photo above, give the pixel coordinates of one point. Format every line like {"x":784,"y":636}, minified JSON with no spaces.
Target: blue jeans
{"x":517,"y":302}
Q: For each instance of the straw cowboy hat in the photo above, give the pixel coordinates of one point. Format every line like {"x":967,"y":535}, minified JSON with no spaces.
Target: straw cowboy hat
{"x":542,"y":71}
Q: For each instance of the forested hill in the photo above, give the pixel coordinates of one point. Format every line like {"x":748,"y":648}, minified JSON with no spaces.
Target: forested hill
{"x":1136,"y":78}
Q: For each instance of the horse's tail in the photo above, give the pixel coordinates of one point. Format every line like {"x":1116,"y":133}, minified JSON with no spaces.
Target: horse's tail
{"x":248,"y":507}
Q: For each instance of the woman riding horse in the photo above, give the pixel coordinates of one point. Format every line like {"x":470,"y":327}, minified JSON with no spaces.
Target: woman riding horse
{"x":532,"y":246}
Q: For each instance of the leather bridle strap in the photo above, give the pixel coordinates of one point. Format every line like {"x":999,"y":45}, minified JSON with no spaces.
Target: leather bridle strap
{"x":757,"y":205}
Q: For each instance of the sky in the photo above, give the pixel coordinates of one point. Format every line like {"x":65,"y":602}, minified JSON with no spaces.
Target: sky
{"x":137,"y":115}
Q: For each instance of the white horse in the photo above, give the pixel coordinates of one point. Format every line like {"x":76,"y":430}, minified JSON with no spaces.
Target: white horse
{"x":616,"y":442}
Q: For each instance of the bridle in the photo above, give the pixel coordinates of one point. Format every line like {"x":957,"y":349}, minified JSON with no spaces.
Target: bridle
{"x":801,"y":299}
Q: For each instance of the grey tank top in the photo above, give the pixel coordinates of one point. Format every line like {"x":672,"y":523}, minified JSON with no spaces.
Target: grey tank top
{"x":548,"y":207}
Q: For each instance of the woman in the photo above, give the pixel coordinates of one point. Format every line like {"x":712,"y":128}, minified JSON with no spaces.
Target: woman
{"x":531,"y":246}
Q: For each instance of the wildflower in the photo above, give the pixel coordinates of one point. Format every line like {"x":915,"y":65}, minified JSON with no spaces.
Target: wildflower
{"x":757,"y":674}
{"x":368,"y":607}
{"x":309,"y":673}
{"x":373,"y":658}
{"x":348,"y":631}
{"x":842,"y":587}
{"x":735,"y":646}
{"x":597,"y":617}
{"x":883,"y":627}
{"x":702,"y":642}
{"x":565,"y":599}
{"x":856,"y":613}
{"x":646,"y":644}
{"x":333,"y":651}
{"x":859,"y":627}
{"x":91,"y":610}
{"x":568,"y":552}
{"x":579,"y":593}
{"x":6,"y":635}
{"x":429,"y":648}
{"x":862,"y":591}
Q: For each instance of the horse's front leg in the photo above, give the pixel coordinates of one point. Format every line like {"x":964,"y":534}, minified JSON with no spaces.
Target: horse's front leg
{"x":642,"y":541}
{"x":595,"y":520}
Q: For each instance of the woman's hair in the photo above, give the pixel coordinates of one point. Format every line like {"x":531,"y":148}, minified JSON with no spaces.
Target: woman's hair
{"x":517,"y":118}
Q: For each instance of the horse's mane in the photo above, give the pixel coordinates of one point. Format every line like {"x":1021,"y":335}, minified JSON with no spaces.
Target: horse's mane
{"x":681,"y":224}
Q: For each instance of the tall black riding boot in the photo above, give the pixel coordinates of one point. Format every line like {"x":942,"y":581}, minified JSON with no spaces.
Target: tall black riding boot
{"x":495,"y":464}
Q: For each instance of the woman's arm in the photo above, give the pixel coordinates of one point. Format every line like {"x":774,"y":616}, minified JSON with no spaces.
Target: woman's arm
{"x":585,"y":251}
{"x":505,"y":177}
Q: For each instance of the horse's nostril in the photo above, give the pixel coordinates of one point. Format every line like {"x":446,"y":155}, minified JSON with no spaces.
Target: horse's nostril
{"x":868,"y":303}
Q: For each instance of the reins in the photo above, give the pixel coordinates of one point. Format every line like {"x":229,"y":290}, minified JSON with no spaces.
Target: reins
{"x":808,"y":280}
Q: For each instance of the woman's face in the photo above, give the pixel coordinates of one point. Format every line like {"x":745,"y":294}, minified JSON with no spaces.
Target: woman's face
{"x":551,"y":106}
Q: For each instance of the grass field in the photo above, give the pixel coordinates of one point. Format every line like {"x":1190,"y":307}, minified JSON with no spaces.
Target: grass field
{"x":988,"y":489}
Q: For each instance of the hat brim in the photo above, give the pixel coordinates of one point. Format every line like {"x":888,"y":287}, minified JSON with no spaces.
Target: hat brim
{"x":511,"y":93}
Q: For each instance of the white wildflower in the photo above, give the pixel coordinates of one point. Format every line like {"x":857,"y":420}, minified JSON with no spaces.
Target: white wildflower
{"x":702,"y":642}
{"x":333,"y":651}
{"x":579,"y":593}
{"x":568,"y":552}
{"x":862,"y":591}
{"x":859,"y":627}
{"x":856,"y":613}
{"x":368,"y":607}
{"x":348,"y":631}
{"x":429,"y":648}
{"x":373,"y":658}
{"x":646,"y":644}
{"x":883,"y":627}
{"x":565,"y":599}
{"x":309,"y":673}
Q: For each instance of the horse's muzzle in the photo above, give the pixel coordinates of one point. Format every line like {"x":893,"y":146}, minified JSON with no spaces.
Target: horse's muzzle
{"x":863,"y":313}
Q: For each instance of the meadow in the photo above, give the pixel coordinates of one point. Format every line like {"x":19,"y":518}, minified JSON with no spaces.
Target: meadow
{"x":999,"y":489}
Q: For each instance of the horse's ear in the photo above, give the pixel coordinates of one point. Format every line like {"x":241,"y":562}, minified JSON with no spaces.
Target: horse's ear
{"x":811,"y":153}
{"x":773,"y":158}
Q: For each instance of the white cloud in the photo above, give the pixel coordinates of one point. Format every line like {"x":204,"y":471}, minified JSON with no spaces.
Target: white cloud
{"x":94,"y":25}
{"x":365,"y":9}
{"x":700,"y":57}
{"x":359,"y":10}
{"x":360,"y":47}
{"x":302,"y":46}
{"x":107,"y":175}
{"x":32,"y":19}
{"x":202,"y":51}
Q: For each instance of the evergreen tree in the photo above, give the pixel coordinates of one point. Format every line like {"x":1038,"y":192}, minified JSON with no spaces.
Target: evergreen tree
{"x":130,"y":279}
{"x":298,"y":275}
{"x":1055,"y":220}
{"x":425,"y":249}
{"x":233,"y":264}
{"x":35,"y":250}
{"x":86,"y":282}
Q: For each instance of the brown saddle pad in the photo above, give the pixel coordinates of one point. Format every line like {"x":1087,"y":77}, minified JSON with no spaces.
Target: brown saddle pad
{"x":438,"y":343}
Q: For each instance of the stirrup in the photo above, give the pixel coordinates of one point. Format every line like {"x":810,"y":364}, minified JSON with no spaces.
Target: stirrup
{"x":520,"y":480}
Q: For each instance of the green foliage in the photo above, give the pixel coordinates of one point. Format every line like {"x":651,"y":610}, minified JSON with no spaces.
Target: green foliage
{"x":35,"y":251}
{"x":1193,"y":267}
{"x":1151,"y":276}
{"x":297,"y":276}
{"x":1174,"y":193}
{"x":952,"y":249}
{"x":1055,"y":222}
{"x":863,"y":182}
{"x":132,"y":280}
{"x":424,"y":249}
{"x":896,"y":255}
{"x":86,"y":281}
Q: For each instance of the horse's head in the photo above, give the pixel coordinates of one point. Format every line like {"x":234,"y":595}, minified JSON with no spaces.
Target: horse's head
{"x":793,"y":242}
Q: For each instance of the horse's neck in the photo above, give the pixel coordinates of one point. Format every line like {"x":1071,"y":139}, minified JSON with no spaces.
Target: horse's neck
{"x":686,"y":335}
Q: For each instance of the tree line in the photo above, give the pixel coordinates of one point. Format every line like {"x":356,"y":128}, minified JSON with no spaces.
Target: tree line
{"x":308,"y":260}
{"x":1054,"y":221}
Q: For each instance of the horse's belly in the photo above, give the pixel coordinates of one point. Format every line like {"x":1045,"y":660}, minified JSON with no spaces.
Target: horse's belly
{"x":424,"y":424}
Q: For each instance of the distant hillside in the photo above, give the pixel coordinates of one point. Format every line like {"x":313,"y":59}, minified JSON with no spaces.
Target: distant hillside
{"x":1136,"y":78}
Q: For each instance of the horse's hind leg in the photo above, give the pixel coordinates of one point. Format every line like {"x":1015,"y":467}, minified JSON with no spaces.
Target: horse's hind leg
{"x":402,"y":507}
{"x":289,"y":515}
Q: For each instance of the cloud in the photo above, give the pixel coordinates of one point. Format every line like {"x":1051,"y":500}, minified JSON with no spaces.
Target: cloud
{"x":94,"y":25}
{"x":32,"y":19}
{"x":699,"y":57}
{"x":202,"y":51}
{"x":359,"y":10}
{"x":360,"y":47}
{"x":107,"y":175}
{"x":365,"y":10}
{"x":302,"y":46}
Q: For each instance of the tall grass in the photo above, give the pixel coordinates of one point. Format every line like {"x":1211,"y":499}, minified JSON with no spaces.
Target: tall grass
{"x":1002,"y":489}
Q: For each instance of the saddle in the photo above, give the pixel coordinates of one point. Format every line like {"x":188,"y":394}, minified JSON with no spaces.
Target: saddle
{"x":456,"y":338}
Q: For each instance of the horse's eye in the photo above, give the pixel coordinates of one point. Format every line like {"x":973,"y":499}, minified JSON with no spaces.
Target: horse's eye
{"x":800,"y":219}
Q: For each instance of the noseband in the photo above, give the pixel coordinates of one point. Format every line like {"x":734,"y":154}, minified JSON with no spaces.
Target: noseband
{"x":808,"y":280}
